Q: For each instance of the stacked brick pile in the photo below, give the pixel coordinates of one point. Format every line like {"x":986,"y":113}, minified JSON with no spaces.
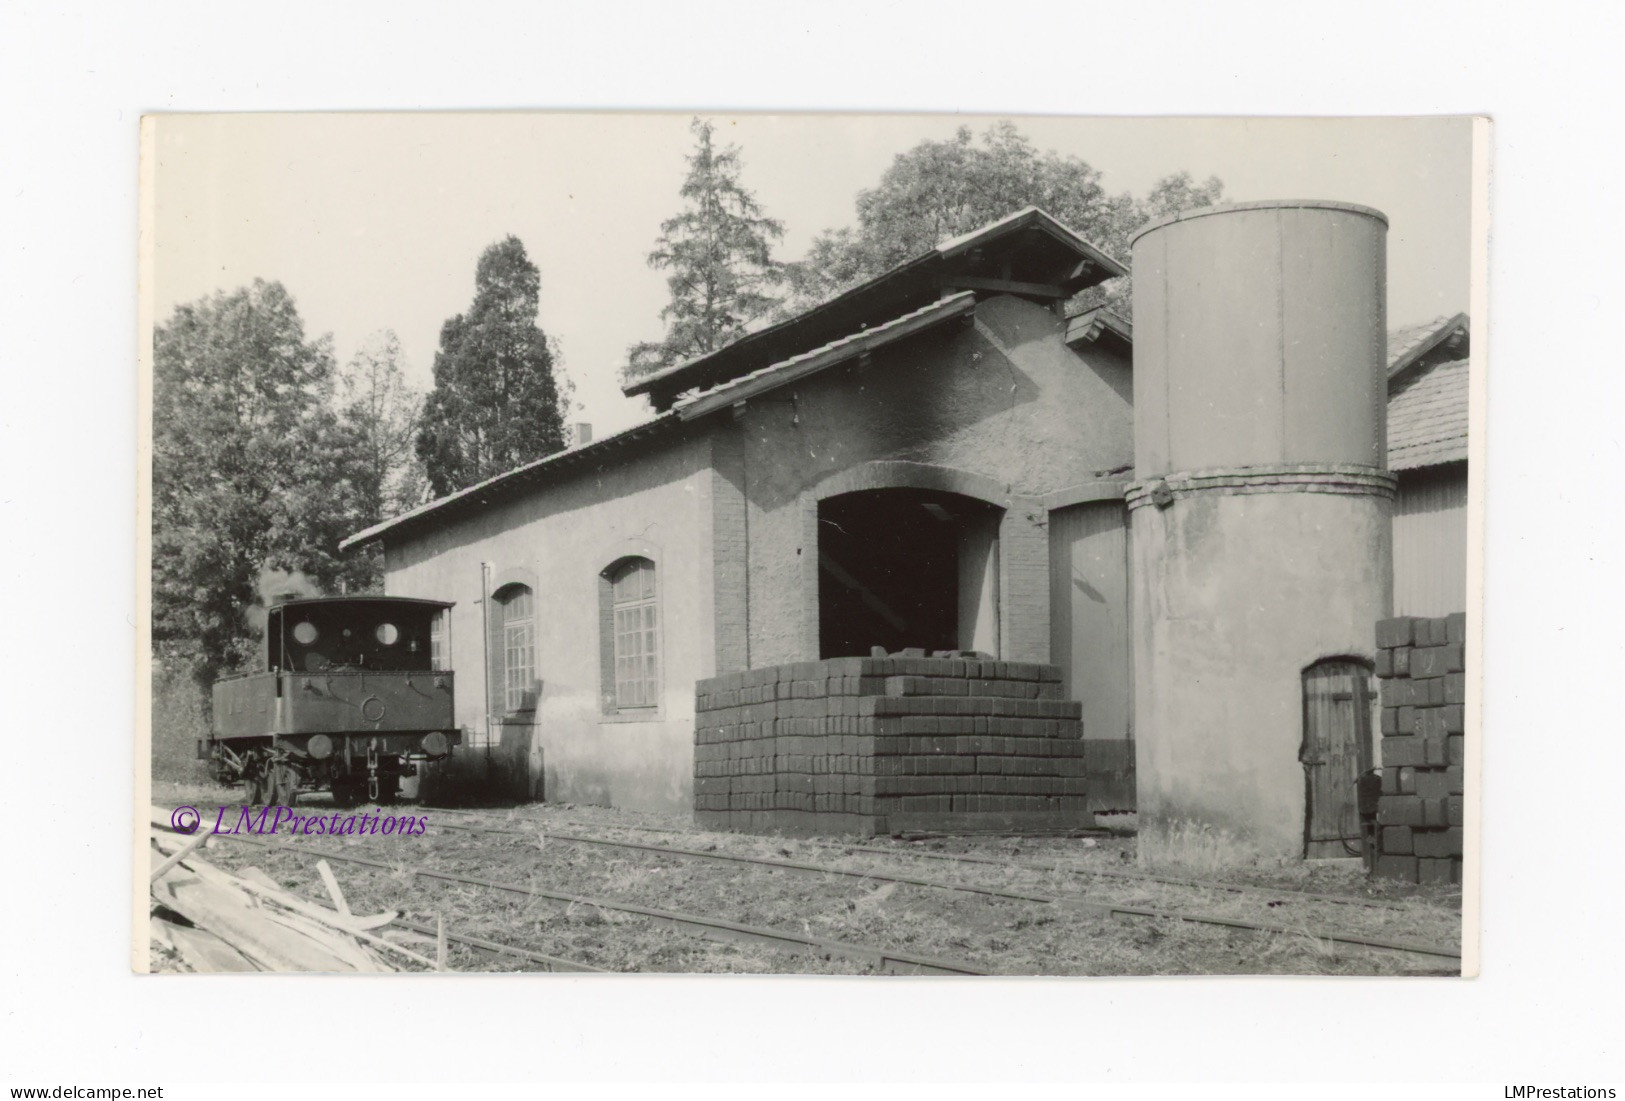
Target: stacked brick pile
{"x":1424,"y":687}
{"x":880,"y":745}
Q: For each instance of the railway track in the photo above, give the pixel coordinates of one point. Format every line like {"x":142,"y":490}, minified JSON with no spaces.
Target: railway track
{"x":524,"y":825}
{"x":1028,"y":865}
{"x":712,"y":928}
{"x":498,"y":948}
{"x":1070,"y":902}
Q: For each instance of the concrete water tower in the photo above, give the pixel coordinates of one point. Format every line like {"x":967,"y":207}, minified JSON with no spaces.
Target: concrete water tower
{"x":1259,"y":516}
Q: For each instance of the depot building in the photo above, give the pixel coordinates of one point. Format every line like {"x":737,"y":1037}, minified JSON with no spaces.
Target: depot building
{"x":944,"y":461}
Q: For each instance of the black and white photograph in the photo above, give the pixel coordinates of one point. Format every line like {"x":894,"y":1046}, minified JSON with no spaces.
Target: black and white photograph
{"x":814,"y":544}
{"x":859,"y":549}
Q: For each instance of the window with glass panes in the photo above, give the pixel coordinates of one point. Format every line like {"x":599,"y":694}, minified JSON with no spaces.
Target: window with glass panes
{"x":437,"y":641}
{"x":518,"y":648}
{"x":636,"y":620}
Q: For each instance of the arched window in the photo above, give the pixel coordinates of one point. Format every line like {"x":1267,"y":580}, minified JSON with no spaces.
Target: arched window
{"x":516,"y":613}
{"x":632,"y":650}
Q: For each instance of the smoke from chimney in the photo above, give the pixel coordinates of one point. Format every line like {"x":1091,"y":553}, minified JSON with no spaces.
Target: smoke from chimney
{"x":274,"y":587}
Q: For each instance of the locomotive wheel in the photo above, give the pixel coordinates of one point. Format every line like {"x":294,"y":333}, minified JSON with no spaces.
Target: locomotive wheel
{"x":284,"y":786}
{"x":253,"y":790}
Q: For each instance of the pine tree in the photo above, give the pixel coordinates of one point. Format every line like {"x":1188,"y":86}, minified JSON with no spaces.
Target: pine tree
{"x":719,"y":254}
{"x":495,"y":403}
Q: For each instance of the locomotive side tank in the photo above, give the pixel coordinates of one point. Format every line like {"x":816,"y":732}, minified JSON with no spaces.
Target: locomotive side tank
{"x":348,"y":696}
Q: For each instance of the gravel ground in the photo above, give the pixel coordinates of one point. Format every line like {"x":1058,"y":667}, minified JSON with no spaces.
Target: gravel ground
{"x":998,"y":935}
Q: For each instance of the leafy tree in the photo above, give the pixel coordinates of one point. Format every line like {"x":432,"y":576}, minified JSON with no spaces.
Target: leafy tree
{"x":495,"y":403}
{"x":251,"y":470}
{"x":1179,"y":192}
{"x":719,"y":254}
{"x":940,"y":189}
{"x":381,"y":411}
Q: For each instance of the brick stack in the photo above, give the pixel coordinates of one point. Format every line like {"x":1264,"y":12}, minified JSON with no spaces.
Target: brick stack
{"x":1424,"y":687}
{"x":885,"y":744}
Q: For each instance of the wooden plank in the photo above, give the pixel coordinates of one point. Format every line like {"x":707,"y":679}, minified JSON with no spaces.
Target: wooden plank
{"x":231,"y":917}
{"x":180,"y":854}
{"x":202,"y":950}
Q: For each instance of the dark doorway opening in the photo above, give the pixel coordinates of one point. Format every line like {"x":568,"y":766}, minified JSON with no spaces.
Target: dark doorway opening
{"x":907,"y":567}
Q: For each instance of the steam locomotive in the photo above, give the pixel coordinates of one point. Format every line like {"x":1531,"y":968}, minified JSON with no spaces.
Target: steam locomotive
{"x":349,"y":697}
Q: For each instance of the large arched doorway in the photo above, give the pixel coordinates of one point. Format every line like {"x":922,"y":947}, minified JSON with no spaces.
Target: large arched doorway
{"x":905,"y":568}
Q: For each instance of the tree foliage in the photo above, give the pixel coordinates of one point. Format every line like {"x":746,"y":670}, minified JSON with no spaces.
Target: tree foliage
{"x":381,"y":412}
{"x":1178,"y":192}
{"x":941,"y":189}
{"x":718,"y":252}
{"x":495,"y":403}
{"x":251,"y":470}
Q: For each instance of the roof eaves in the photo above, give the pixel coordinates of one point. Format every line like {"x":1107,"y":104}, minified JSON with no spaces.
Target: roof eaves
{"x":652,"y":381}
{"x":1424,"y":342}
{"x":1033,"y":216}
{"x":856,"y":344}
{"x":558,"y":460}
{"x":1038,"y":218}
{"x":1088,"y":327}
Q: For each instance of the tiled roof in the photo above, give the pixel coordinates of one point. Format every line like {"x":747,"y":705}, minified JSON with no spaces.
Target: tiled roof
{"x":1094,"y":267}
{"x":1427,"y":417}
{"x":1427,"y":411}
{"x":836,"y":351}
{"x":1409,"y":344}
{"x":546,"y":465}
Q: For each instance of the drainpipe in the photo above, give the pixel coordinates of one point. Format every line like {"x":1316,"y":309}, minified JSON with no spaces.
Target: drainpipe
{"x":485,"y":648}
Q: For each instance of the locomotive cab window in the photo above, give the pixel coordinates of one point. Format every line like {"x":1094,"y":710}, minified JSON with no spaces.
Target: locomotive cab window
{"x":356,"y":636}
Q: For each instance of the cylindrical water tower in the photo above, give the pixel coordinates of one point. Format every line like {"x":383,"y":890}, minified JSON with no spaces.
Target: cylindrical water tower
{"x":1260,"y":513}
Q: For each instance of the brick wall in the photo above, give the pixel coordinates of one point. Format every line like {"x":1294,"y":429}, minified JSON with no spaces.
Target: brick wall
{"x":884,"y":744}
{"x":1421,"y":667}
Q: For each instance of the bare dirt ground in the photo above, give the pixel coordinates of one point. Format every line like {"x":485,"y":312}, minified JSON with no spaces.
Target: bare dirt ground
{"x":997,"y":935}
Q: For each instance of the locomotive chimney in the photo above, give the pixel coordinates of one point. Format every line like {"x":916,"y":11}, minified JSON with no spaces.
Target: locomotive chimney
{"x":1259,"y":517}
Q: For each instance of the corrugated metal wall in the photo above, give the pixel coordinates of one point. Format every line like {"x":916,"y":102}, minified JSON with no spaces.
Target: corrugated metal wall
{"x":1430,"y":541}
{"x":1089,"y":639}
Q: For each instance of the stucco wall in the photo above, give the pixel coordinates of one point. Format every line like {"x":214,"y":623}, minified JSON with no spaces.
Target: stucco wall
{"x":657,"y":505}
{"x":1240,"y":593}
{"x":1005,"y":401}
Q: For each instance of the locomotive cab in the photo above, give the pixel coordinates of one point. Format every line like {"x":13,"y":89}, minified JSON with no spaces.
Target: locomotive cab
{"x":315,"y":636}
{"x":351,"y":695}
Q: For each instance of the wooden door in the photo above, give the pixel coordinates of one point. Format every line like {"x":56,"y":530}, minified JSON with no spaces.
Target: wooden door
{"x":1336,"y":750}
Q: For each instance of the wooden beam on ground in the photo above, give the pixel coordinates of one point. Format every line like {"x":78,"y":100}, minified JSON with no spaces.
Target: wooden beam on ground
{"x":180,"y":854}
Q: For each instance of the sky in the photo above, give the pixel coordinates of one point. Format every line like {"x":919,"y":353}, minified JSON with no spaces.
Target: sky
{"x":376,"y":221}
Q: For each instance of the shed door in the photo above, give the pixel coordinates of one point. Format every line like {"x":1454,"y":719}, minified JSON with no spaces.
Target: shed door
{"x":1336,"y":750}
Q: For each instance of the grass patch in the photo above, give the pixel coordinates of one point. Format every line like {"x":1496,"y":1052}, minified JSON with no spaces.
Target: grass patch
{"x":178,"y":724}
